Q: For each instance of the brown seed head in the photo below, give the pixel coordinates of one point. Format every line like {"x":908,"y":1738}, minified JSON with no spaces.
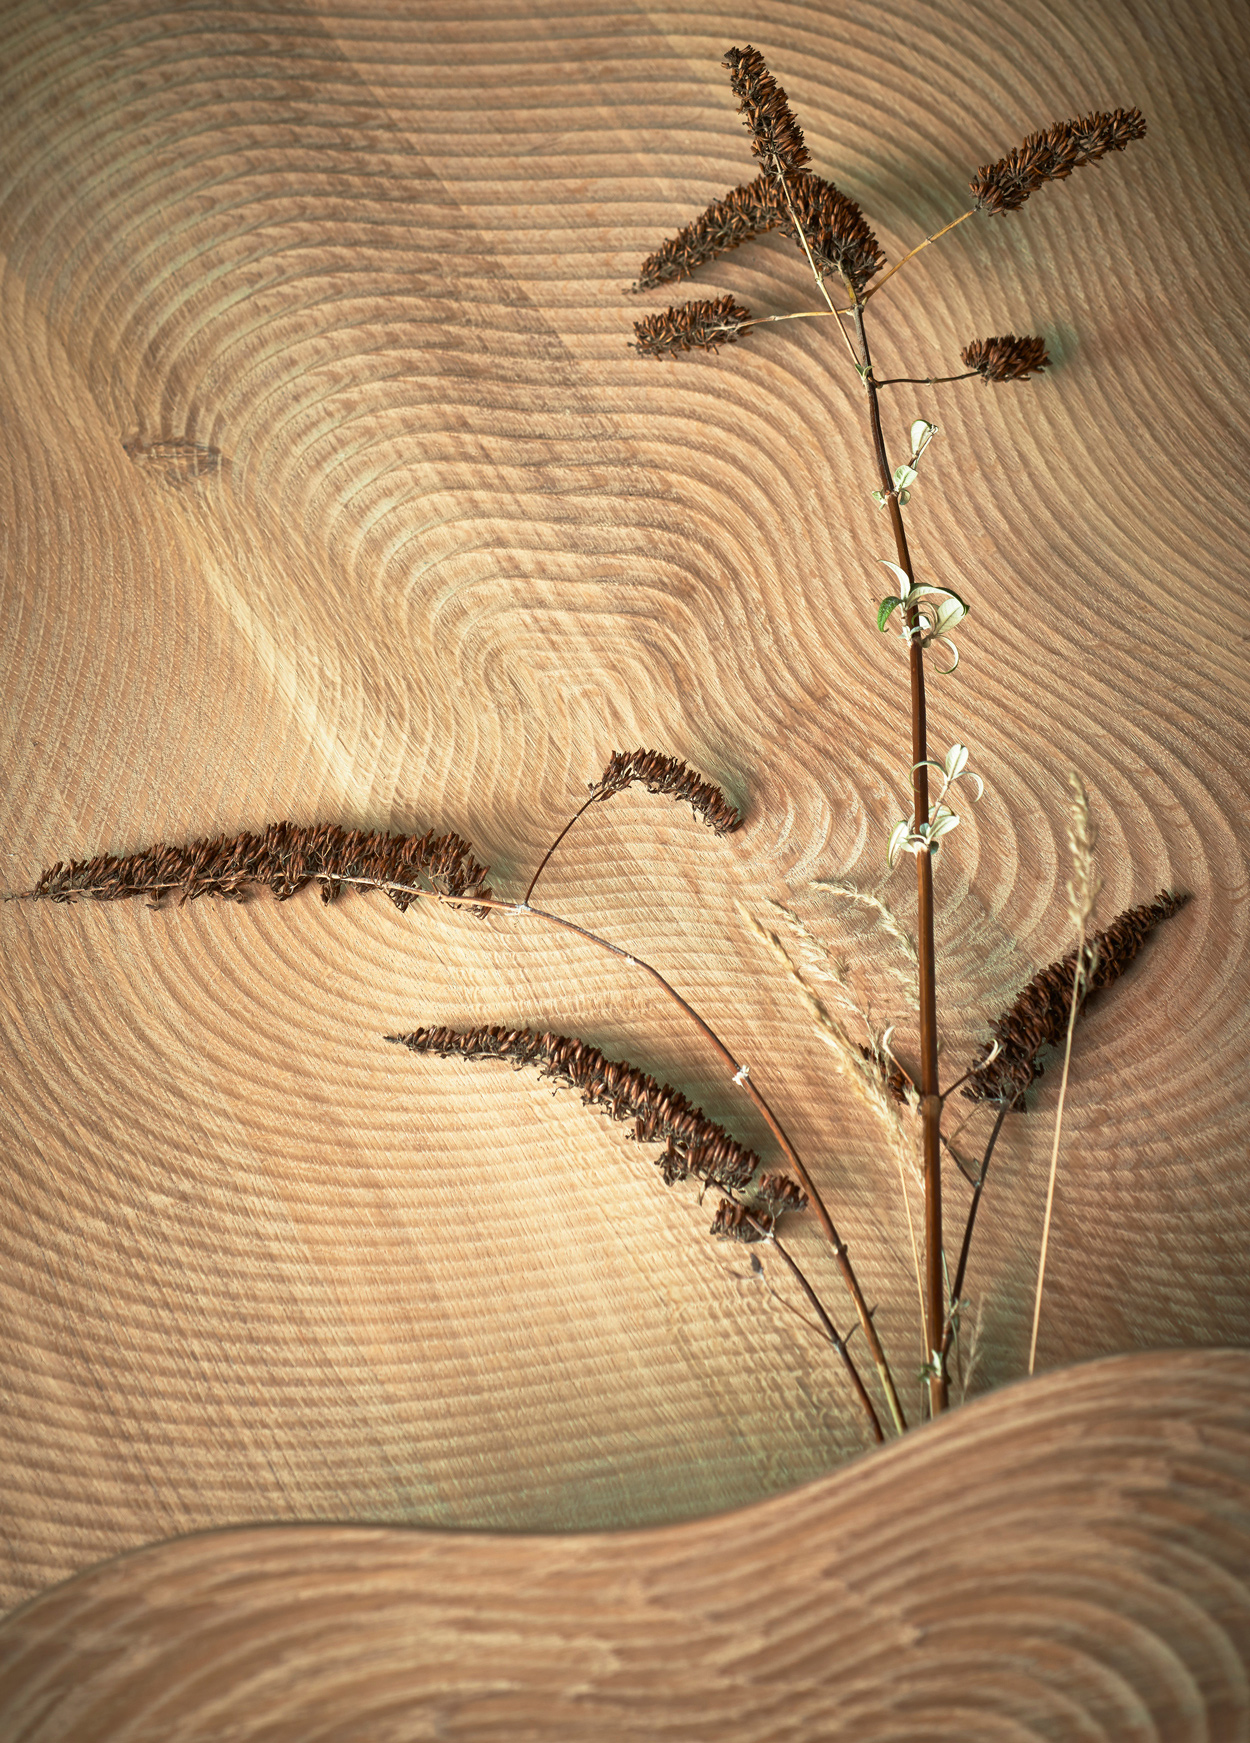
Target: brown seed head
{"x":694,"y":1146}
{"x":743,"y":213}
{"x":1052,"y":155}
{"x":776,"y":1194}
{"x":1039,"y":1016}
{"x":776,"y":137}
{"x":736,"y":1222}
{"x":1007,"y":358}
{"x":836,"y":230}
{"x":661,"y":774}
{"x":700,"y":326}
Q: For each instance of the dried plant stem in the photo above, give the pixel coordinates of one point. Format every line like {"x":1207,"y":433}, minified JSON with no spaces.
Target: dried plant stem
{"x":911,"y":1231}
{"x":1078,"y":975}
{"x":741,"y":1075}
{"x":542,"y":864}
{"x":838,"y":1342}
{"x":916,"y":250}
{"x":801,"y":315}
{"x":930,"y":1097}
{"x":926,"y":380}
{"x":811,"y":259}
{"x":966,"y":1248}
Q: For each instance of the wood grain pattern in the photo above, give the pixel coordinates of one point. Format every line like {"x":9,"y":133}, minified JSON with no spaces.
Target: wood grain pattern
{"x":331,"y":491}
{"x":1067,"y":1559}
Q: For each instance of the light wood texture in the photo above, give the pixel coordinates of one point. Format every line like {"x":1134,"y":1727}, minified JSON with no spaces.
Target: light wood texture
{"x":332,"y":491}
{"x":1064,"y":1560}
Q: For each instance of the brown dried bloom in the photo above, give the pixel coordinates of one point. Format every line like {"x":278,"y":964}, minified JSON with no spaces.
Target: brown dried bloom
{"x":701,"y":326}
{"x":837,"y":232}
{"x":893,"y":1078}
{"x":737,"y":1222}
{"x":743,"y":213}
{"x":1007,"y":358}
{"x":1052,"y":155}
{"x":661,"y":774}
{"x":694,"y":1146}
{"x":1039,"y":1016}
{"x":282,"y":858}
{"x":770,"y":1198}
{"x":776,"y":1194}
{"x":776,"y":137}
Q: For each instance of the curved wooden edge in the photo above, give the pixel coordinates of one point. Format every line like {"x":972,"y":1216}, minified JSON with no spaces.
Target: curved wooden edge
{"x":1069,"y":1557}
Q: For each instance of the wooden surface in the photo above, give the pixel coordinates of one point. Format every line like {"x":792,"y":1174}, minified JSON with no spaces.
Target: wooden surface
{"x":1065,"y":1560}
{"x":331,"y":491}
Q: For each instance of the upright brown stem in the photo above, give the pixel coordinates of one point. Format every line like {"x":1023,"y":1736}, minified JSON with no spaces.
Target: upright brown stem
{"x":930,"y":1099}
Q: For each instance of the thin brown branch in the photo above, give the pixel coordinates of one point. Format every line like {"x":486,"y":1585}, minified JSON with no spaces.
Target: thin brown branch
{"x":937,"y":234}
{"x":966,"y":1247}
{"x":838,"y":1342}
{"x":924,"y":380}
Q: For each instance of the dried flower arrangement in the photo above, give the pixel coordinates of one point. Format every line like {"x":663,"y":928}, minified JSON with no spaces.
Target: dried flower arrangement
{"x":839,"y":247}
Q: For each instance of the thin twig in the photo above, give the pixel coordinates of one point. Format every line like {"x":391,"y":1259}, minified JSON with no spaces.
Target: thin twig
{"x":838,"y":1342}
{"x":1078,"y":976}
{"x":916,"y":250}
{"x":926,"y":380}
{"x":740,"y":1074}
{"x":911,"y":1231}
{"x":961,"y":1268}
{"x":1082,"y":894}
{"x":542,"y":864}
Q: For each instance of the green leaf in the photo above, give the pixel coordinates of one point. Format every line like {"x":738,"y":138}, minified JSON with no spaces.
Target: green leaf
{"x":884,"y":610}
{"x":956,"y":761}
{"x":898,"y":835}
{"x":943,"y":826}
{"x":932,"y":587}
{"x":903,"y":577}
{"x":903,"y":476}
{"x":879,"y":497}
{"x":922,"y":433}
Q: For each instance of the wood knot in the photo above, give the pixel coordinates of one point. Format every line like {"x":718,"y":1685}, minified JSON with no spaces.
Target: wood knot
{"x":177,"y":462}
